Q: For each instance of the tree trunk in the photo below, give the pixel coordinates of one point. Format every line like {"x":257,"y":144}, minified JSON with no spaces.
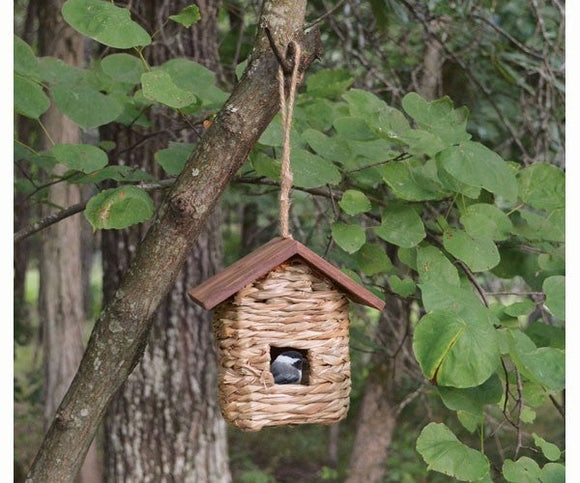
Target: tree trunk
{"x":431,"y":83}
{"x":122,"y":331}
{"x":61,"y":295}
{"x":164,"y":424}
{"x":377,"y":416}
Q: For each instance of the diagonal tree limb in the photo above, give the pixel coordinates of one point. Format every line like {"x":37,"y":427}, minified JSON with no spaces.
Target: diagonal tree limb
{"x":120,"y":334}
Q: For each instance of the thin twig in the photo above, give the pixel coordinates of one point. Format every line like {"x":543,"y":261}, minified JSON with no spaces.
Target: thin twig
{"x":400,"y":157}
{"x":511,"y":38}
{"x":470,"y":75}
{"x":558,"y":406}
{"x":520,"y":407}
{"x":473,"y":281}
{"x":324,"y":15}
{"x":408,"y":400}
{"x":506,"y":394}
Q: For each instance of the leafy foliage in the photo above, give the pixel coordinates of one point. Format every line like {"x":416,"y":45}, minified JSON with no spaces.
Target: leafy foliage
{"x":416,"y":180}
{"x":105,"y":22}
{"x":119,"y":208}
{"x":443,"y":452}
{"x":423,"y":204}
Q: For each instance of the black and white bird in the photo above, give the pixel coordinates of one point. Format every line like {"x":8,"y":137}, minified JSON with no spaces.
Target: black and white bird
{"x":287,"y":368}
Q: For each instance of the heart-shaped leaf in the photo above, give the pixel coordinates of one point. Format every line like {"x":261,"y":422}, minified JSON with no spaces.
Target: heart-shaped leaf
{"x":119,"y":208}
{"x":443,"y":452}
{"x":105,"y":22}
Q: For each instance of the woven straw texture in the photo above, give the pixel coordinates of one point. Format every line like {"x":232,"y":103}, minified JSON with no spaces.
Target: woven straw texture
{"x":289,"y":307}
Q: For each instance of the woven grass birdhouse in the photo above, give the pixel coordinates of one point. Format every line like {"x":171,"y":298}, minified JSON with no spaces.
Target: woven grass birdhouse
{"x":282,"y":297}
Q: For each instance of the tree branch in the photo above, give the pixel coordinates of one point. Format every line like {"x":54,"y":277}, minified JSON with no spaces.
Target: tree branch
{"x":73,"y":210}
{"x":120,"y":335}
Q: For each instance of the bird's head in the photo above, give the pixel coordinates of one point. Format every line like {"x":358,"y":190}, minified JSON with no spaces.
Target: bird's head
{"x":293,"y":358}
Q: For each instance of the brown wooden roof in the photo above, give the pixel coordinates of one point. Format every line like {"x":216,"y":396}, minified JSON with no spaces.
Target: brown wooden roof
{"x":261,"y":261}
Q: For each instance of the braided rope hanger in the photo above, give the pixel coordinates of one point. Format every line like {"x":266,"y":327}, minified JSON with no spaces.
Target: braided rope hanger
{"x":287,"y":110}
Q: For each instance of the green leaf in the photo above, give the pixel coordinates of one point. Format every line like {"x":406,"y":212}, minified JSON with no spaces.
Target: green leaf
{"x":119,"y":208}
{"x":441,"y":295}
{"x":553,"y":473}
{"x":159,"y":86}
{"x":329,"y":83}
{"x":550,"y":450}
{"x":472,"y":399}
{"x":527,"y":415}
{"x":348,"y":237}
{"x":273,"y":135}
{"x":265,"y":165}
{"x":173,"y":158}
{"x":318,"y":113}
{"x":333,"y":148}
{"x":541,"y":226}
{"x":554,"y":261}
{"x":469,"y":421}
{"x":85,"y":105}
{"x":518,"y":309}
{"x":188,"y":16}
{"x":25,"y":62}
{"x":535,"y":395}
{"x":195,"y":79}
{"x":555,"y":290}
{"x":311,"y":171}
{"x":403,"y":287}
{"x":423,"y":142}
{"x":21,"y":151}
{"x":443,"y":452}
{"x":546,"y":335}
{"x":475,"y":165}
{"x":123,"y":68}
{"x":479,"y":254}
{"x":354,"y":202}
{"x":386,"y":121}
{"x":353,"y":128}
{"x":454,"y":350}
{"x":452,"y":184}
{"x":55,"y":71}
{"x":401,"y":225}
{"x":374,"y":150}
{"x":544,"y":365}
{"x":362,"y":103}
{"x":411,"y":180}
{"x":434,"y":266}
{"x":542,"y":186}
{"x":438,"y":117}
{"x":81,"y":157}
{"x":523,"y":470}
{"x":372,"y":259}
{"x":29,"y":98}
{"x":483,"y":220}
{"x":105,"y":23}
{"x":408,"y":256}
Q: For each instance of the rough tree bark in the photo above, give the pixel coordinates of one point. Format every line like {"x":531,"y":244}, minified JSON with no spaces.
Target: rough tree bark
{"x":119,"y":337}
{"x":61,"y":296}
{"x":164,"y":424}
{"x":431,"y":83}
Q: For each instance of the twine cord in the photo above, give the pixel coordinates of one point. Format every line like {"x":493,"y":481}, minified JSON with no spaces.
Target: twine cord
{"x":286,"y":110}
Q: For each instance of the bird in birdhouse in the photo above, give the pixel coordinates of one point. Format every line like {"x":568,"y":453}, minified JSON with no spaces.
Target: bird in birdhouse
{"x":287,"y":368}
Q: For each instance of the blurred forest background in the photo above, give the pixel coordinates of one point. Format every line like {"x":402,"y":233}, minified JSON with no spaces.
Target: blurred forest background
{"x":502,"y":59}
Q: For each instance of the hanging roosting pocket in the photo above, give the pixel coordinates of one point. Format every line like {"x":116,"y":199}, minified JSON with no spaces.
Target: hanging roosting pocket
{"x":281,"y":320}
